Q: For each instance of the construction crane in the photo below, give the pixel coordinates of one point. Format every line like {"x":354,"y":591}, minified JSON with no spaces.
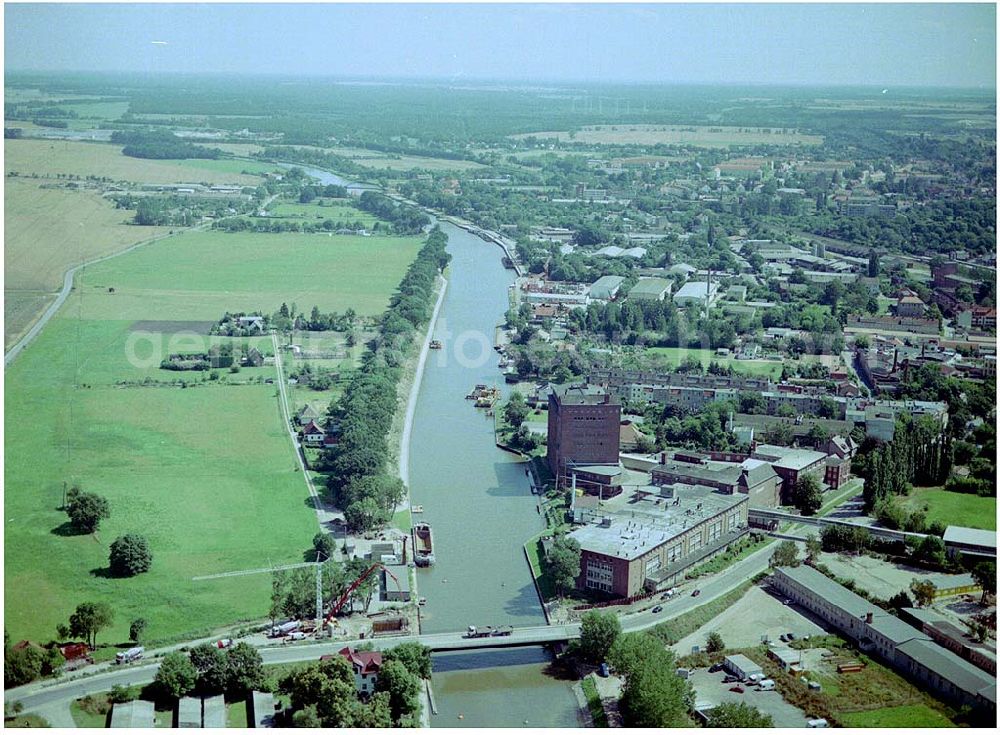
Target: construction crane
{"x":339,"y":604}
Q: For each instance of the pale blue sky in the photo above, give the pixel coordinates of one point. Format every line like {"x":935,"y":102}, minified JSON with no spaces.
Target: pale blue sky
{"x":881,"y":44}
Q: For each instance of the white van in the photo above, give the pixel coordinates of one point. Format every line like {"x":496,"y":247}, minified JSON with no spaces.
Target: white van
{"x":767,"y":685}
{"x":818,"y":723}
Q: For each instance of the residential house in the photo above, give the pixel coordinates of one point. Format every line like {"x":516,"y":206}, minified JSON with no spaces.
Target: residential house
{"x":366,"y":666}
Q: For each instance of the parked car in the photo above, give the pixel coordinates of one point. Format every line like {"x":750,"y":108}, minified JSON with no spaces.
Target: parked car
{"x":658,"y":608}
{"x":729,"y":679}
{"x":714,"y":667}
{"x":297,"y":635}
{"x":695,"y":593}
{"x":791,"y":636}
{"x":784,"y":637}
{"x":737,"y":689}
{"x":786,"y":602}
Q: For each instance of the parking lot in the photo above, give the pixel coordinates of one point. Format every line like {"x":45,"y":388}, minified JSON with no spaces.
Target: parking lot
{"x":710,"y":689}
{"x":755,"y":614}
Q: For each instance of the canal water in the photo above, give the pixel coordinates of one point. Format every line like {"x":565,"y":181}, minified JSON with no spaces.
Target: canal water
{"x":478,"y":501}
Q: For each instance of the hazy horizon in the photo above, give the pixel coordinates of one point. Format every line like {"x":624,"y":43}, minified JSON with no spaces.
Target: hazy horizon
{"x":828,"y":45}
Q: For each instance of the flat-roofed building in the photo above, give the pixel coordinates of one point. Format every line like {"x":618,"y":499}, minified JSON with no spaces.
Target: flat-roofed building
{"x":606,"y":288}
{"x":214,"y":712}
{"x":970,"y":542}
{"x":792,"y":464}
{"x":908,"y":649}
{"x":137,"y":713}
{"x":583,"y":429}
{"x":651,"y":289}
{"x":188,"y":713}
{"x":697,"y":293}
{"x":655,"y":536}
{"x":751,"y":477}
{"x":260,"y":709}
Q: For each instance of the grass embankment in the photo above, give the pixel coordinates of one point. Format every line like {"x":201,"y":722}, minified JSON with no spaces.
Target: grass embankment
{"x":597,"y":713}
{"x":26,"y":721}
{"x":48,"y":231}
{"x":672,"y":631}
{"x":954,"y":509}
{"x":206,"y":473}
{"x":105,"y":160}
{"x":673,"y":356}
{"x":736,"y":552}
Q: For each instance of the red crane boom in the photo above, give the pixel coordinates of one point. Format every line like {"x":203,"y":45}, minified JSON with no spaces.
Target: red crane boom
{"x":353,"y":586}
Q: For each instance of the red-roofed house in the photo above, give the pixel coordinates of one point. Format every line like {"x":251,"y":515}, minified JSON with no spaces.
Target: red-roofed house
{"x":312,"y":434}
{"x":366,"y":665}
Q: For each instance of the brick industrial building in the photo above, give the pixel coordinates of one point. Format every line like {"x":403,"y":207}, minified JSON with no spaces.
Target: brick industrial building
{"x":583,"y":429}
{"x":657,"y":535}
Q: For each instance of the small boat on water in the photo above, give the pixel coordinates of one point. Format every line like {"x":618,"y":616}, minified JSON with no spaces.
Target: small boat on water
{"x":417,"y":509}
{"x":423,"y":545}
{"x":435,"y":344}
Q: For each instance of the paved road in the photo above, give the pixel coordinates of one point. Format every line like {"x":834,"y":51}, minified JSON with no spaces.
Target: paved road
{"x":47,"y":693}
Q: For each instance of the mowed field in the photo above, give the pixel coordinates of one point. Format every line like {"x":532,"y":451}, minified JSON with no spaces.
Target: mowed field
{"x":395,"y":162}
{"x":48,"y":231}
{"x":677,"y":355}
{"x":51,"y":157}
{"x":206,"y":472}
{"x":955,"y":509}
{"x":703,"y":136}
{"x":201,"y":275}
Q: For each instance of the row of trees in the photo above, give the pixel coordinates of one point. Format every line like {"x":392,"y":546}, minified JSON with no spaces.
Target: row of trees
{"x":207,"y":670}
{"x":357,"y":480}
{"x":918,"y":452}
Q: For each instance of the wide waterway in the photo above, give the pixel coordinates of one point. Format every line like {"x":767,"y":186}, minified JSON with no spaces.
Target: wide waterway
{"x":478,"y":501}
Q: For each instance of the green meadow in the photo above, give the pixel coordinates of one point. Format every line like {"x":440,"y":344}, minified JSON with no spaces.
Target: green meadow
{"x":206,"y":472}
{"x":674,"y":356}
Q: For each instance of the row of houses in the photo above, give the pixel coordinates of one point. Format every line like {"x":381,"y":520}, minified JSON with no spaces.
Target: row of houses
{"x":909,"y":650}
{"x":191,"y":712}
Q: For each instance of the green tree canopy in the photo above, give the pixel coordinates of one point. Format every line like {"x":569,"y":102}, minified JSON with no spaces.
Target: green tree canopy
{"x":87,"y":510}
{"x":598,"y":633}
{"x":89,"y":619}
{"x":564,"y":563}
{"x":738,"y":714}
{"x":129,"y":555}
{"x":176,"y":676}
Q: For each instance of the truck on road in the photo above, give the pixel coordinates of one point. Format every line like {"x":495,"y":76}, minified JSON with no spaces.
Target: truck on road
{"x":285,"y":628}
{"x":132,"y":654}
{"x":488,"y":631}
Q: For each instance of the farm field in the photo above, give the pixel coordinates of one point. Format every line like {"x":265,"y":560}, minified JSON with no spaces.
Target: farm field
{"x":201,"y":275}
{"x":702,"y":136}
{"x":227,"y":165}
{"x":677,"y":355}
{"x":205,"y":472}
{"x":51,"y":157}
{"x":955,"y":509}
{"x":39,"y":247}
{"x":334,"y":210}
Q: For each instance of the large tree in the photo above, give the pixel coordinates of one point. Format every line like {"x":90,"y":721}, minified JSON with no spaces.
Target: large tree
{"x":130,"y":555}
{"x":714,"y":642}
{"x":244,"y":670}
{"x":87,"y":510}
{"x":89,"y":619}
{"x":402,"y":687}
{"x":414,"y":656}
{"x":212,"y":668}
{"x":176,"y":676}
{"x":985,"y":575}
{"x":516,"y":410}
{"x":564,"y":563}
{"x":653,"y":695}
{"x":786,"y":554}
{"x":598,"y":633}
{"x":807,"y":495}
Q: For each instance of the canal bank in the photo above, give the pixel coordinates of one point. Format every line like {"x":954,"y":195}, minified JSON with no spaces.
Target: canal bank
{"x":478,"y":500}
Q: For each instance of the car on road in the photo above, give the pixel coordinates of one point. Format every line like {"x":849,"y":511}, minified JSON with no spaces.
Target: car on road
{"x":658,"y":608}
{"x":297,"y":635}
{"x":695,"y":593}
{"x":737,"y":689}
